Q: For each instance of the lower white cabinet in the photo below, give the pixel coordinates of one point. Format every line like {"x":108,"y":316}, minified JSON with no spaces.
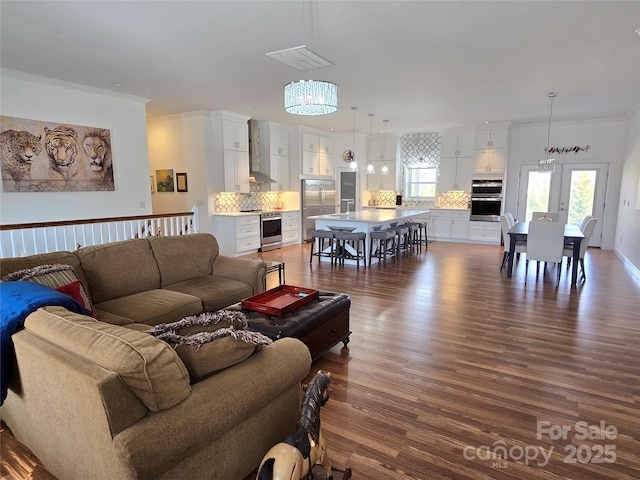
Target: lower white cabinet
{"x":449,"y":224}
{"x":290,"y":227}
{"x":237,"y":235}
{"x":488,"y":232}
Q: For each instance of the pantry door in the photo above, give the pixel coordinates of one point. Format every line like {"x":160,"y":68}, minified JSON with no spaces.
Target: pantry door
{"x":574,"y":190}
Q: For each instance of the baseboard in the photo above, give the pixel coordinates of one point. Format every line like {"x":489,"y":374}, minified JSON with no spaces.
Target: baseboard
{"x":627,"y":263}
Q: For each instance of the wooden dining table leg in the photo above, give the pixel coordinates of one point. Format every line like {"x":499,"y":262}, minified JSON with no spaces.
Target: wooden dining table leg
{"x":512,"y":249}
{"x":576,"y":260}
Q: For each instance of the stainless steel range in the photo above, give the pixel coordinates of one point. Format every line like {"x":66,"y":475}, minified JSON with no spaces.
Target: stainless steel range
{"x":270,"y":231}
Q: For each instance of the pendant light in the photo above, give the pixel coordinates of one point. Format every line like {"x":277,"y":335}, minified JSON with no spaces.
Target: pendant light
{"x":370,"y":168}
{"x":353,"y":165}
{"x":307,"y":97}
{"x":548,"y":165}
{"x":384,"y":170}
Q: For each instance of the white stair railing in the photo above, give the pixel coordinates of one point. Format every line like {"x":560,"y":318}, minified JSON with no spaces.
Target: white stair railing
{"x":19,"y":240}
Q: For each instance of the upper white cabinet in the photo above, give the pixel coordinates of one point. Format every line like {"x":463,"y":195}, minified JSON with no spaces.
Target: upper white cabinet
{"x":377,"y":181}
{"x":274,"y":155}
{"x":316,"y":154}
{"x":457,"y":144}
{"x":230,"y":152}
{"x":381,"y":153}
{"x":491,"y":150}
{"x":457,"y":160}
{"x":235,"y":135}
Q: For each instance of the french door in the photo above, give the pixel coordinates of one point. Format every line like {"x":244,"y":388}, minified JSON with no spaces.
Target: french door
{"x":574,"y":190}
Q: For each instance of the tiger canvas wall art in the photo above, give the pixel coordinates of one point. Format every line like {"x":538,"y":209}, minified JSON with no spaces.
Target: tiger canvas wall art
{"x":40,"y":156}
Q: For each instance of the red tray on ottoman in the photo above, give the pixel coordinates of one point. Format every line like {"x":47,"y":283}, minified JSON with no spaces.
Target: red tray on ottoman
{"x":280,"y":300}
{"x":320,"y":323}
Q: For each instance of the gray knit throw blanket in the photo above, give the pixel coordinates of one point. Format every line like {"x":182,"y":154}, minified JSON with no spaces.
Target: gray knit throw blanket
{"x":238,"y":329}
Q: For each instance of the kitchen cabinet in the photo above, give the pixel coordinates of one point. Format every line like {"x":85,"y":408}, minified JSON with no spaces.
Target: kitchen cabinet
{"x":274,"y":156}
{"x":457,"y":143}
{"x":316,"y":154}
{"x":237,"y":235}
{"x":449,"y":224}
{"x":235,"y":135}
{"x":457,"y":161}
{"x":236,"y":171}
{"x":290,"y":227}
{"x":230,"y":152}
{"x":491,"y":151}
{"x":485,"y":232}
{"x":377,"y":181}
{"x":381,"y":153}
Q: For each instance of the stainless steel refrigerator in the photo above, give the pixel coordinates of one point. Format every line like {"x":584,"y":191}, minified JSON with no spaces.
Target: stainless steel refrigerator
{"x":318,"y":198}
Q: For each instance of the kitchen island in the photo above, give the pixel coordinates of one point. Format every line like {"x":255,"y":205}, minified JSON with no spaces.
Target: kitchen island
{"x":366,"y":221}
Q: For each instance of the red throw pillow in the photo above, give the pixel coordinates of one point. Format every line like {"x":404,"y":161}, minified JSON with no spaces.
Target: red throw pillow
{"x":73,"y":290}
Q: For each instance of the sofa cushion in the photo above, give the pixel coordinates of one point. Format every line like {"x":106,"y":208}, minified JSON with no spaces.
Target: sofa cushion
{"x":8,"y":265}
{"x":60,"y":277}
{"x":152,"y":307}
{"x":119,"y":269}
{"x":215,"y":292}
{"x":211,"y":341}
{"x":183,"y":257}
{"x":149,"y":367}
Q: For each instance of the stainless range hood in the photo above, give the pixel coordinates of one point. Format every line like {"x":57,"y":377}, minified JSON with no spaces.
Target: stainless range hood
{"x":255,"y":175}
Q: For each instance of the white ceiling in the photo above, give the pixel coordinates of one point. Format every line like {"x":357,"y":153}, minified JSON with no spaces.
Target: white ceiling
{"x":424,"y":65}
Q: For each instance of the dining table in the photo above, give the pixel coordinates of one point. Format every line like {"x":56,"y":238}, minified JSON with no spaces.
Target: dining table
{"x":572,"y":234}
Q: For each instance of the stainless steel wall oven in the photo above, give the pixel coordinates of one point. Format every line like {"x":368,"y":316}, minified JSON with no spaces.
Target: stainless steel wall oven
{"x":486,"y":200}
{"x":270,"y":231}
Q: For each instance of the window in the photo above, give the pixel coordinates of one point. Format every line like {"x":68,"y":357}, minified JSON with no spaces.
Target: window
{"x":421,"y":182}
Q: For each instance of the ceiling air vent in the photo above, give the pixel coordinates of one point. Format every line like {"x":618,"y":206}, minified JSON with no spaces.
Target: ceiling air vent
{"x":300,"y":58}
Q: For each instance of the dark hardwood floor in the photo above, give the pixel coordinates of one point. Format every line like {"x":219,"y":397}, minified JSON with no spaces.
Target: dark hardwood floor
{"x":450,"y":360}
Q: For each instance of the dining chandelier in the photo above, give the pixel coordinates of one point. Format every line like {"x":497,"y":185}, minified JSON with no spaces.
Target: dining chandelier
{"x":310,"y":97}
{"x":548,"y":165}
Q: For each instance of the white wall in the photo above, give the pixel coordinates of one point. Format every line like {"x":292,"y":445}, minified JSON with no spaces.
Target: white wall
{"x":38,"y":98}
{"x":179,"y":142}
{"x":606,"y":139}
{"x":627,"y":240}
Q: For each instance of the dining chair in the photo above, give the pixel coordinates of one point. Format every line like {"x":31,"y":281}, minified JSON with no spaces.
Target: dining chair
{"x":511,"y":218}
{"x":506,"y":225}
{"x":587,"y":231}
{"x":550,"y":216}
{"x":545,"y":243}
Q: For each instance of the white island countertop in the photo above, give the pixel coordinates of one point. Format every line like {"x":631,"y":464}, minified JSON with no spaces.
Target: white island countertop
{"x":378,"y":216}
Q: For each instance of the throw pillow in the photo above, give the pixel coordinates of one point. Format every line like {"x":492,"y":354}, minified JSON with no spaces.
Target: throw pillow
{"x":60,"y":277}
{"x":211,"y":341}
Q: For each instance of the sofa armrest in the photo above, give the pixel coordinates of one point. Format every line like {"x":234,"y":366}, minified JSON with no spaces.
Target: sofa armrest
{"x":245,"y":270}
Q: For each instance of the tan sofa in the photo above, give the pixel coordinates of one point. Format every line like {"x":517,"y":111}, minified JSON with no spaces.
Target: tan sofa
{"x":104,"y":400}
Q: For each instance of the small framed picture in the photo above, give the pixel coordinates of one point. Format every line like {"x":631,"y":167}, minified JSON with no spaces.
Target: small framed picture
{"x":164,"y":180}
{"x":152,"y":182}
{"x":181,"y":182}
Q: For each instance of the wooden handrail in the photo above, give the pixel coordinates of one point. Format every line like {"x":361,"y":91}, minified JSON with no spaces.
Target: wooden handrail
{"x":62,"y":223}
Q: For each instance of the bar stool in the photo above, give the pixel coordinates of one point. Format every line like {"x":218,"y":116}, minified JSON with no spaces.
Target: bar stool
{"x":357,"y":241}
{"x":317,"y":238}
{"x":382,"y":238}
{"x":402,"y":234}
{"x":412,"y":237}
{"x":417,"y":236}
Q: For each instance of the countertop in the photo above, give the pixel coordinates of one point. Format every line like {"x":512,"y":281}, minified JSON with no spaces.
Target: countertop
{"x":372,"y":216}
{"x":244,"y":214}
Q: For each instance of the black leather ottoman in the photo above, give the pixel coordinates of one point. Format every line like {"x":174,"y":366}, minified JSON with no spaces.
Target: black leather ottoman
{"x":320,"y":324}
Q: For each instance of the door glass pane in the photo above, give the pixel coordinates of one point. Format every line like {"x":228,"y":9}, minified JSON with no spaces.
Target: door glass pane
{"x":583,"y":185}
{"x":537,"y":194}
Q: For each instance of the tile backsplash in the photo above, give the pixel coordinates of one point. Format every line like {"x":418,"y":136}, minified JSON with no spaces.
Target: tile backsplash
{"x":454,"y":200}
{"x":256,"y":200}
